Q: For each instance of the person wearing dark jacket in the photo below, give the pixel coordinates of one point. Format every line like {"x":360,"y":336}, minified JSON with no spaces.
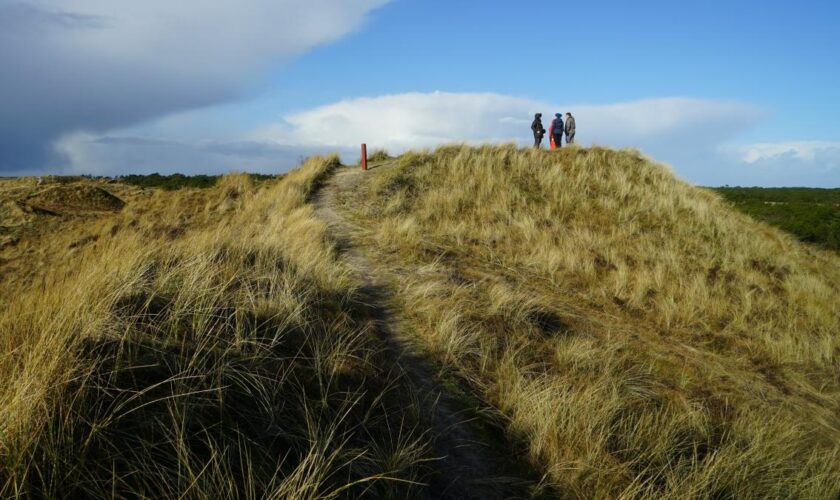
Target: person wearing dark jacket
{"x":556,"y":131}
{"x":570,"y":129}
{"x":537,"y":128}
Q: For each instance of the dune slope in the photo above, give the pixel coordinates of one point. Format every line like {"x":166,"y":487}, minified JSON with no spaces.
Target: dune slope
{"x":201,"y":344}
{"x":642,"y":336}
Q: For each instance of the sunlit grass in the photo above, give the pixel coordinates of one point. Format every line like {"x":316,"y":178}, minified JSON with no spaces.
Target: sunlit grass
{"x":645,"y":338}
{"x":213,"y":346}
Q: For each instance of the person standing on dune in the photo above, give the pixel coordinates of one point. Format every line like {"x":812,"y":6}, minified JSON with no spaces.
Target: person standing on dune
{"x":556,"y":131}
{"x":570,"y":129}
{"x":539,"y":131}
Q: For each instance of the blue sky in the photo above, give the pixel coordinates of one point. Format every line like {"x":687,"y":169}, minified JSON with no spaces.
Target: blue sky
{"x":610,"y":51}
{"x":726,"y":93}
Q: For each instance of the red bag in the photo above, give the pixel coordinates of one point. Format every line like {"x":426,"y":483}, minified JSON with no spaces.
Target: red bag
{"x":551,"y":134}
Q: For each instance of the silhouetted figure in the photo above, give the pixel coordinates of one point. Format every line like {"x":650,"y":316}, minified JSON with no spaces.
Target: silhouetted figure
{"x":556,"y":131}
{"x":570,"y":129}
{"x":539,"y":131}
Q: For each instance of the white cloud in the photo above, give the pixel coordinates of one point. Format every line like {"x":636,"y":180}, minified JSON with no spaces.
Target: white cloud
{"x":192,"y":35}
{"x":792,"y":163}
{"x":97,"y":65}
{"x":802,"y":150}
{"x":406,"y":121}
{"x":418,"y":120}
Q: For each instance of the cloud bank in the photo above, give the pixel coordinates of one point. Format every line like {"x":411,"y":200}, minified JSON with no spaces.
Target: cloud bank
{"x":805,"y":150}
{"x":116,"y":155}
{"x":695,"y":136}
{"x":804,"y":163}
{"x":97,"y":65}
{"x":418,"y":119}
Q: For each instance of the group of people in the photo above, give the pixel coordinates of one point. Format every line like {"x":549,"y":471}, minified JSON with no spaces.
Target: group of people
{"x":556,"y":130}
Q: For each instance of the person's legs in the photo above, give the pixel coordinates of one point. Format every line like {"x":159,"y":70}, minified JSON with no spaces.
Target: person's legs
{"x":558,"y":140}
{"x":537,"y":141}
{"x":570,"y":139}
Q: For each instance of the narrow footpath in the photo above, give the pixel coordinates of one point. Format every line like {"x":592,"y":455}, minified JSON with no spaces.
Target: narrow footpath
{"x":468,"y":466}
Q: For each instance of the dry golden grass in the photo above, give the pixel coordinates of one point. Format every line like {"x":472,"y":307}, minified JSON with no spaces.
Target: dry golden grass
{"x":643,"y":337}
{"x":207,"y":344}
{"x":32,"y":243}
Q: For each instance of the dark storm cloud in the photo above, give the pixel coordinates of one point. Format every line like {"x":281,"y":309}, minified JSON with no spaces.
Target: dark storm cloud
{"x":25,"y":18}
{"x":99,"y":65}
{"x":46,"y":91}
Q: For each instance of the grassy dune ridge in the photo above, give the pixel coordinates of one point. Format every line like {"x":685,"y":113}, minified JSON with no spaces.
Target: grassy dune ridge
{"x":643,"y":336}
{"x":225,"y":356}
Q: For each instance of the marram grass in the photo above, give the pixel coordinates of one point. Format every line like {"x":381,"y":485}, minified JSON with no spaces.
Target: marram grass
{"x":227,"y":359}
{"x":638,"y":335}
{"x":646,"y":339}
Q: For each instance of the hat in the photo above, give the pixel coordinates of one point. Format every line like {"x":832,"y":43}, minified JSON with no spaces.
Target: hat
{"x":558,"y":115}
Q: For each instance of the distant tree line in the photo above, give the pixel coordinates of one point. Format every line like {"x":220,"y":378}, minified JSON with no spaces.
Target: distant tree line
{"x":780,"y":195}
{"x":180,"y":181}
{"x":811,"y":214}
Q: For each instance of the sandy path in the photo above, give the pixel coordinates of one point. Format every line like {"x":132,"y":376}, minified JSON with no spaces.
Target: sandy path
{"x":468,"y":467}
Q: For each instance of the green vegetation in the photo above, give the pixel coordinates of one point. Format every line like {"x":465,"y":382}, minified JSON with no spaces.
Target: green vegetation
{"x":379,"y":155}
{"x":179,"y":181}
{"x":781,"y":195}
{"x":812,"y":215}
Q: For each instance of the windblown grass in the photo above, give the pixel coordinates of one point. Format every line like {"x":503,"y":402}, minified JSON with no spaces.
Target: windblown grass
{"x":211,"y":346}
{"x":34,"y":244}
{"x":645,"y":338}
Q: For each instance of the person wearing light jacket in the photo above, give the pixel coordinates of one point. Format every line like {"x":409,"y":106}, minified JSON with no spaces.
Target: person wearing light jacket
{"x":570,"y":129}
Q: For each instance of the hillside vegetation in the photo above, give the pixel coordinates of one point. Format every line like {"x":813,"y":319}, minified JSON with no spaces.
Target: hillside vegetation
{"x":812,"y":215}
{"x":180,"y":181}
{"x":611,"y":331}
{"x":200,"y":343}
{"x":642,"y":336}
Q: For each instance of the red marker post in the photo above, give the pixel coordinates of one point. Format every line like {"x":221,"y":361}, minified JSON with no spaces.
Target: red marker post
{"x":364,"y":156}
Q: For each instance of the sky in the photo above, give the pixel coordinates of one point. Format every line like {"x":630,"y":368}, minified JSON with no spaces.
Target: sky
{"x":726,"y":93}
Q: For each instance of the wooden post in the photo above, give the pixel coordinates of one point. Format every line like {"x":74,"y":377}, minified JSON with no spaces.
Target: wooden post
{"x":364,"y":156}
